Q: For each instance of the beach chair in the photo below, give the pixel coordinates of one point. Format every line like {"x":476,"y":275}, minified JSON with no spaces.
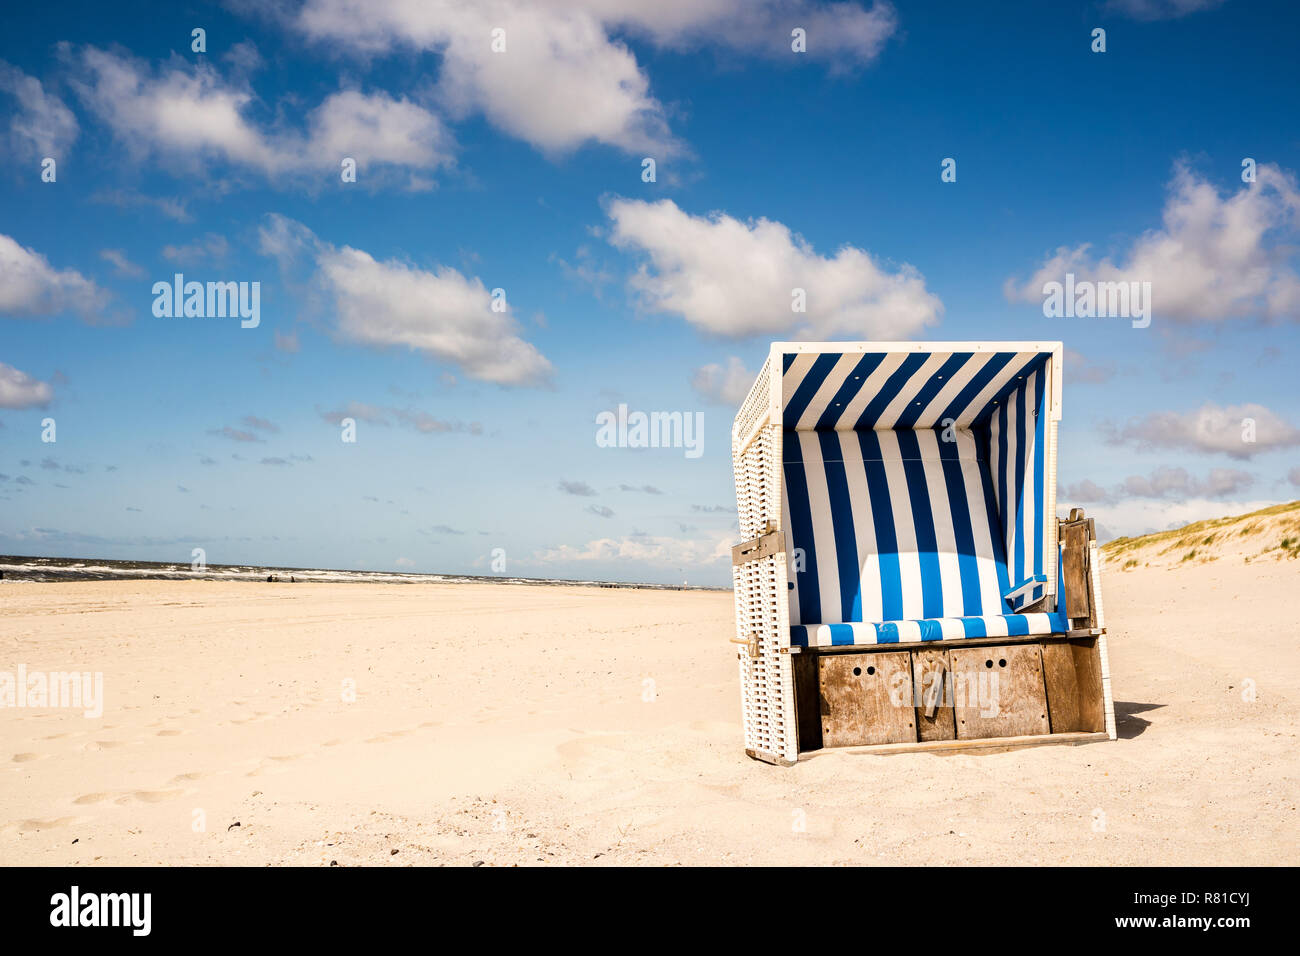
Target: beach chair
{"x":904,"y":582}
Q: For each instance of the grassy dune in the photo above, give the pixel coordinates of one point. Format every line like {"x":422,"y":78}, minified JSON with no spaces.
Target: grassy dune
{"x":1268,"y":534}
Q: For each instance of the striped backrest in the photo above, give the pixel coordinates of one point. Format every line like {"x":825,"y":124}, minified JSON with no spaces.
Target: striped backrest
{"x":891,"y":525}
{"x":966,"y":518}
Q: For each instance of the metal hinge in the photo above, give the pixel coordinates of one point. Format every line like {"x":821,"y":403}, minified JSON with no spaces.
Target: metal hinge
{"x":755,"y":549}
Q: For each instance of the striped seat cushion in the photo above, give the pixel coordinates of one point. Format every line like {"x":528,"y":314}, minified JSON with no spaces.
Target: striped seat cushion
{"x":934,"y":629}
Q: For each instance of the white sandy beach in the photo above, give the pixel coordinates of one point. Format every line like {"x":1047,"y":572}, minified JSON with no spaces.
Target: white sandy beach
{"x":530,"y":725}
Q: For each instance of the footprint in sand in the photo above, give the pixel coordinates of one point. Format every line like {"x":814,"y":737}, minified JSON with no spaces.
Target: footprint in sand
{"x":30,"y":826}
{"x":184,"y":777}
{"x":387,"y":736}
{"x":91,"y":798}
{"x":104,"y":745}
{"x":149,"y":796}
{"x":26,"y":758}
{"x":270,"y":768}
{"x":170,"y":733}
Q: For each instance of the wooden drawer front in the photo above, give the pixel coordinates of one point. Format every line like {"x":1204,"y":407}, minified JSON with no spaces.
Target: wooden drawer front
{"x":866,"y":699}
{"x":998,"y":691}
{"x":933,"y":690}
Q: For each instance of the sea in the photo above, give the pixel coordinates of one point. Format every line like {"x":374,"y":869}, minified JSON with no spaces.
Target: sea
{"x":20,"y":568}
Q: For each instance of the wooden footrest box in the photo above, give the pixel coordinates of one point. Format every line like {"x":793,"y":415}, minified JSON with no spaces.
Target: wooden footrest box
{"x":938,"y":693}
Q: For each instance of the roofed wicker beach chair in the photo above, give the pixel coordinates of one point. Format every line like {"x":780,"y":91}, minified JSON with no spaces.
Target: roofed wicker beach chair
{"x":905,"y":582}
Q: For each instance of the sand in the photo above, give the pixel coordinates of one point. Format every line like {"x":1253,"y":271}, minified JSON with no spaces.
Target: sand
{"x":551,"y":725}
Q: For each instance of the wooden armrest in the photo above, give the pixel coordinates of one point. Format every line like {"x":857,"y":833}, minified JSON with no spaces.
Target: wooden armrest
{"x":1076,"y":536}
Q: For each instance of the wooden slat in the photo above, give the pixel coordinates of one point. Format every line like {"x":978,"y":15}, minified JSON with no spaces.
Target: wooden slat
{"x":934,"y":717}
{"x":765,"y":757}
{"x":1088,"y":677}
{"x":1074,"y":568}
{"x":866,"y":699}
{"x":988,"y":745}
{"x":998,"y":691}
{"x":1062,"y":688}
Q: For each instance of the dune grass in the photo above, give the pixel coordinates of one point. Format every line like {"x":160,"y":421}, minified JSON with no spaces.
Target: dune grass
{"x":1202,"y":533}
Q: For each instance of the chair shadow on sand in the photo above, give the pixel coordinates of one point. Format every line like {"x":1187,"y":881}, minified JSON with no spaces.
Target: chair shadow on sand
{"x":1127,"y":724}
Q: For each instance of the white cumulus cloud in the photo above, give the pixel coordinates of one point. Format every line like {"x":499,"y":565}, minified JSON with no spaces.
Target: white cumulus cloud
{"x":121,"y":264}
{"x":440,"y":312}
{"x":723,"y":385}
{"x":29,"y":285}
{"x":1215,"y":258}
{"x":1239,"y":431}
{"x":191,"y":112}
{"x":1168,"y":482}
{"x":20,"y":390}
{"x":42,"y":125}
{"x":653,"y":550}
{"x":845,"y":34}
{"x":738,"y":278}
{"x":564,"y":78}
{"x":559,"y":83}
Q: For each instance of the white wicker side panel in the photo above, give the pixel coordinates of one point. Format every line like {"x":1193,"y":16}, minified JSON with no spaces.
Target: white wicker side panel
{"x":1094,"y":562}
{"x":766,"y":681}
{"x":757,"y":410}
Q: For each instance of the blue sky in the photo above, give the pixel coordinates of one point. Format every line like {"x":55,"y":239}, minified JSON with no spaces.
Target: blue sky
{"x":521,"y":170}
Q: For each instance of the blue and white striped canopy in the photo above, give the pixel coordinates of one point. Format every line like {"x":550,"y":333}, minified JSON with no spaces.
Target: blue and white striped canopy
{"x":899,"y":388}
{"x":916,"y":493}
